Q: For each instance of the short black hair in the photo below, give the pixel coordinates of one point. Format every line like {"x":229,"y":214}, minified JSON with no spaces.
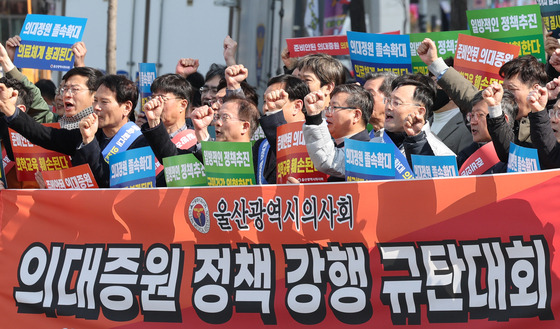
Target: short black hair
{"x":90,"y":73}
{"x":125,"y":90}
{"x":527,"y":68}
{"x":388,"y":76}
{"x":47,"y":87}
{"x":358,"y":97}
{"x":249,"y":91}
{"x":215,"y":70}
{"x":174,"y":84}
{"x":25,"y":98}
{"x":293,"y":86}
{"x":425,"y":92}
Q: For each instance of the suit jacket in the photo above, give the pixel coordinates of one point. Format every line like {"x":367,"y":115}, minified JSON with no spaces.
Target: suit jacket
{"x":455,"y":134}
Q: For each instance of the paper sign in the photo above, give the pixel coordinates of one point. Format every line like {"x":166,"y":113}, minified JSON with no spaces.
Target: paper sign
{"x":79,"y":177}
{"x":133,"y":168}
{"x":292,"y":157}
{"x":228,"y":163}
{"x":379,"y":52}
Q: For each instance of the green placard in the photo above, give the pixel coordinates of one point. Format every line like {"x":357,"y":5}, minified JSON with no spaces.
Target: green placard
{"x":446,"y":43}
{"x":184,"y":170}
{"x":228,"y":163}
{"x":521,"y":26}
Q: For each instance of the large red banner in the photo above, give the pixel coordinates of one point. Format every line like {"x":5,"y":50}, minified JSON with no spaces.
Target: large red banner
{"x":468,"y":252}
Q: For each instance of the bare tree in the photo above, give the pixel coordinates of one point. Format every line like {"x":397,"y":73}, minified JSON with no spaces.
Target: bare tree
{"x":112,"y":37}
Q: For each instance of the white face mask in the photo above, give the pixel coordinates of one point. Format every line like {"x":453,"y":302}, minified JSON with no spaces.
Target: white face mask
{"x":272,"y":112}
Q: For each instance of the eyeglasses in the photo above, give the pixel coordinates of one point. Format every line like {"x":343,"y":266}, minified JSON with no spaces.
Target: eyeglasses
{"x":225,"y":118}
{"x":218,"y":101}
{"x":72,"y":90}
{"x":164,"y":98}
{"x":330,"y":110}
{"x":554,"y":114}
{"x":395,"y":103}
{"x":206,"y":89}
{"x":478,"y":115}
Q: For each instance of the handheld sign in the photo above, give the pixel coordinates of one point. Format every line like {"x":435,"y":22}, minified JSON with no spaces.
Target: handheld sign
{"x":133,"y":169}
{"x":331,"y":45}
{"x":228,"y":163}
{"x":79,"y":177}
{"x":446,"y":43}
{"x":479,"y":60}
{"x":368,"y":161}
{"x":46,"y":42}
{"x":292,"y":158}
{"x":379,"y":52}
{"x":430,"y":166}
{"x":184,"y":170}
{"x":521,"y":26}
{"x":146,"y":76}
{"x":550,"y":12}
{"x":522,"y":159}
{"x":29,"y":157}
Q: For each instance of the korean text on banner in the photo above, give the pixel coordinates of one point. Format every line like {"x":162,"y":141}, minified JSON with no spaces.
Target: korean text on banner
{"x":292,"y":158}
{"x":30,"y":158}
{"x":184,"y":170}
{"x":368,"y":161}
{"x":446,"y":43}
{"x":332,"y":45}
{"x":430,"y":166}
{"x":146,"y":76}
{"x":46,"y":42}
{"x":521,"y":26}
{"x":228,"y":163}
{"x":379,"y":52}
{"x":133,"y":168}
{"x":479,"y":60}
{"x":550,"y":12}
{"x":522,"y":159}
{"x":471,"y":252}
{"x":79,"y":177}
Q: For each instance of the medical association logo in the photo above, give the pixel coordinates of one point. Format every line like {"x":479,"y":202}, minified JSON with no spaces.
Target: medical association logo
{"x":198,"y":214}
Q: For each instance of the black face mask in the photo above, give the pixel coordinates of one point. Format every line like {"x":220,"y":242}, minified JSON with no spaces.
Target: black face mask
{"x":441,"y":100}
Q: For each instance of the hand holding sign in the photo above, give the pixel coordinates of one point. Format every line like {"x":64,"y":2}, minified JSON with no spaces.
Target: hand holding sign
{"x":427,"y":51}
{"x":289,"y":62}
{"x":11,"y":46}
{"x":153,"y":110}
{"x":88,"y":128}
{"x":79,"y":49}
{"x":5,"y":60}
{"x":235,"y":74}
{"x":314,"y":102}
{"x":413,"y":123}
{"x":275,"y":100}
{"x":537,"y":99}
{"x":186,"y":66}
{"x":493,"y":94}
{"x":550,"y":43}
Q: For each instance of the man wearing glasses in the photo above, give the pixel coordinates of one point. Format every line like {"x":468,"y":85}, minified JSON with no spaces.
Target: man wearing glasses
{"x":346,"y":116}
{"x":77,"y":94}
{"x":405,"y":117}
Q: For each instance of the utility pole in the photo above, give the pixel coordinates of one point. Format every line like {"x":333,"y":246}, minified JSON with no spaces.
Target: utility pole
{"x":112,"y":37}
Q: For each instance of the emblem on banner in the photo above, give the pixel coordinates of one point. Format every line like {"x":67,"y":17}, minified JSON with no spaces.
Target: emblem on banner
{"x":198,"y":214}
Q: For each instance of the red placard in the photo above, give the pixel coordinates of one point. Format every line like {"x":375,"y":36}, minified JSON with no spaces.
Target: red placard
{"x":79,"y":177}
{"x":331,"y":45}
{"x":30,"y":158}
{"x":292,"y":158}
{"x":479,"y":60}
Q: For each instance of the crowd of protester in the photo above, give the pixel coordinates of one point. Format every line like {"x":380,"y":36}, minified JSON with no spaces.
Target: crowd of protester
{"x":437,"y":114}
